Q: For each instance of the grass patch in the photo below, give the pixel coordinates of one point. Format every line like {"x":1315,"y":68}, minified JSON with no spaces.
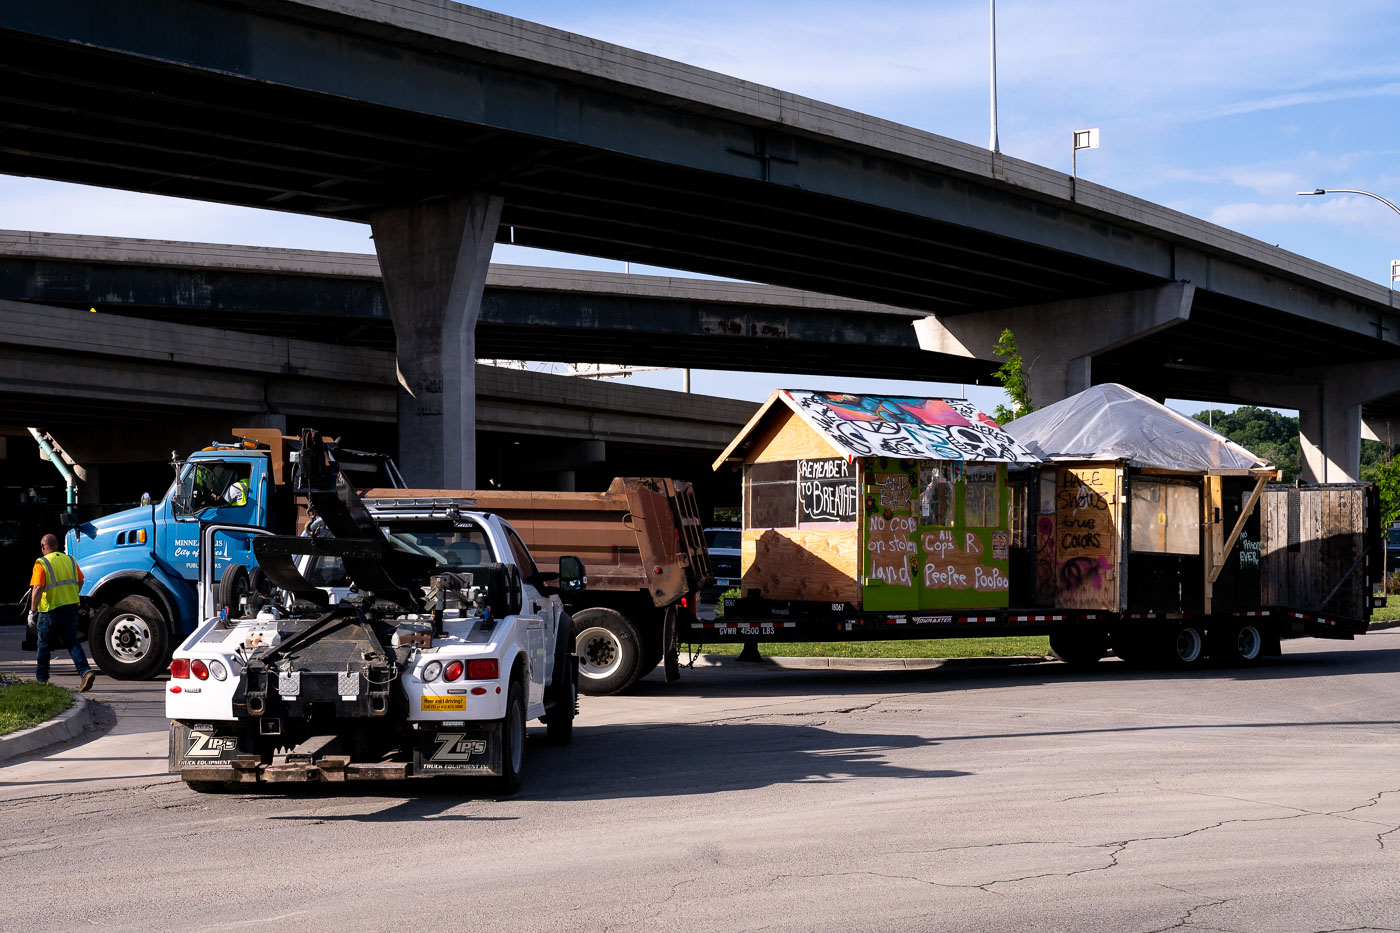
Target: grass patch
{"x":1008,"y":647}
{"x":1390,"y":613}
{"x":27,"y":704}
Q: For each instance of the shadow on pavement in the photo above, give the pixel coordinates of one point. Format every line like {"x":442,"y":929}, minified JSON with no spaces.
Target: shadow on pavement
{"x":609,"y":763}
{"x":760,"y":680}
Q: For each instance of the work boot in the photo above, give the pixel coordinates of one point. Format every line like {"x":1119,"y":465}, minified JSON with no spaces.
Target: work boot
{"x":85,"y":684}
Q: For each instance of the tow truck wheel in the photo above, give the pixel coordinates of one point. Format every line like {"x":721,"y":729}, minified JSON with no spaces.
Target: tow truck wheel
{"x":512,"y":742}
{"x":209,"y":787}
{"x":609,"y":651}
{"x":130,"y":641}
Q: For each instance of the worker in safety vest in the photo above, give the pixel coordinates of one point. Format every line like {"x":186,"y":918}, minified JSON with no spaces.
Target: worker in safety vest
{"x":237,"y":494}
{"x":53,"y":610}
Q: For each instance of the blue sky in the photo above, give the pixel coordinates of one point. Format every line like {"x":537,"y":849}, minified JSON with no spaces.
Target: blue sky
{"x":1219,"y":109}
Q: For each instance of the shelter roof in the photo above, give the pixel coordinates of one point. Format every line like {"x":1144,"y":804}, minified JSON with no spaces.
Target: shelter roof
{"x":1112,"y":422}
{"x":889,"y":426}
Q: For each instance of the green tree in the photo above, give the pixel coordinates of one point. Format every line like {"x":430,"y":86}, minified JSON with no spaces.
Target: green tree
{"x":1262,"y":432}
{"x":1387,"y":480}
{"x":1012,"y":376}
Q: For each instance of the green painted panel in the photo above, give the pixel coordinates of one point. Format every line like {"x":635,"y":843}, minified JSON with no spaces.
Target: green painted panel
{"x":936,"y":535}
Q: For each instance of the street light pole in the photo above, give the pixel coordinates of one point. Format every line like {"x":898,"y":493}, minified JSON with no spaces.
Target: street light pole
{"x":995,"y":146}
{"x":1369,"y":194}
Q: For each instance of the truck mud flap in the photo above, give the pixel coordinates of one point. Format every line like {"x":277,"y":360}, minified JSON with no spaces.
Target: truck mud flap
{"x":474,"y":750}
{"x":200,"y":744}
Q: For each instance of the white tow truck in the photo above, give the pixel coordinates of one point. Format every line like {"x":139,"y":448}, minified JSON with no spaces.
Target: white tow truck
{"x":414,"y":638}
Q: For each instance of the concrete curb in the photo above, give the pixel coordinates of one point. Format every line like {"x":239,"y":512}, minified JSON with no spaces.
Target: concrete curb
{"x":859,"y":664}
{"x":66,"y":725}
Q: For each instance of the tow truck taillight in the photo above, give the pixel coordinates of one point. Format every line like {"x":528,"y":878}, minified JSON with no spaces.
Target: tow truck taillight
{"x":198,"y":669}
{"x":485,"y":669}
{"x":180,"y":668}
{"x":452,"y":671}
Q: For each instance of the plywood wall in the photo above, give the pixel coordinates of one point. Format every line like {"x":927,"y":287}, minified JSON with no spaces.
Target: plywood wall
{"x":1311,"y":537}
{"x":802,"y":564}
{"x":788,"y":437}
{"x":1083,"y":545}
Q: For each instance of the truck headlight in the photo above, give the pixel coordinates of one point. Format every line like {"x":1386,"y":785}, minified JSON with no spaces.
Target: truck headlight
{"x":431,"y":670}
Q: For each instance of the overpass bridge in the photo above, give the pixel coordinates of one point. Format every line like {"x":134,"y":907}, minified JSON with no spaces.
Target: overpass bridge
{"x":447,"y":128}
{"x":121,"y":392}
{"x":530,"y":313}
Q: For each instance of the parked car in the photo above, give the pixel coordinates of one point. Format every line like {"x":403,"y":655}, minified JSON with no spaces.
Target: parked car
{"x":722,"y":544}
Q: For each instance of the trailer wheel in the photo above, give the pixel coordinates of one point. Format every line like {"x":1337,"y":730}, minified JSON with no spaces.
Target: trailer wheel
{"x":512,"y":742}
{"x":1237,"y":644}
{"x":561,"y":698}
{"x":1183,"y":647}
{"x":1079,"y":649}
{"x":131,"y":640}
{"x":1130,"y":648}
{"x":609,"y":651}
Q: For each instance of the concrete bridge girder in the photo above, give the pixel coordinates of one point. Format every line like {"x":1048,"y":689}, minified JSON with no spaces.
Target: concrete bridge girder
{"x":1058,"y":341}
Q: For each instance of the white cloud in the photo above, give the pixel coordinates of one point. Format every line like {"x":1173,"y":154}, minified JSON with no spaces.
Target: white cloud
{"x":1354,"y":212}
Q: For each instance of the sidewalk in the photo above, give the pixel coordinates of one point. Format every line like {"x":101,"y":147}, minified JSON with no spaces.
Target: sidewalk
{"x":126,"y":744}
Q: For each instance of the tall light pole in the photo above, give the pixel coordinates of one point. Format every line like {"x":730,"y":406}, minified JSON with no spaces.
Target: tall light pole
{"x":1368,"y":194}
{"x":1394,"y":263}
{"x":994,"y":145}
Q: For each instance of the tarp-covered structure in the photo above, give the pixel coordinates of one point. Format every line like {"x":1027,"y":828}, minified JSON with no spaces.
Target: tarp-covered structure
{"x":1111,"y":422}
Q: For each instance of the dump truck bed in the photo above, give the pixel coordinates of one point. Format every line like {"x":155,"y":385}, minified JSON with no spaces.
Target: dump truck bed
{"x":641,"y":534}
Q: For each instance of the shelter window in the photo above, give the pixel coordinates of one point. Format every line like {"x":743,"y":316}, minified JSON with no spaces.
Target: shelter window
{"x":980,"y":501}
{"x":1019,"y":500}
{"x":770,"y":494}
{"x":1166,"y":518}
{"x":936,"y":493}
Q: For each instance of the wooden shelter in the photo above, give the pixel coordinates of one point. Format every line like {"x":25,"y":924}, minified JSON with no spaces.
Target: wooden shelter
{"x":1142,"y":509}
{"x":874,"y":502}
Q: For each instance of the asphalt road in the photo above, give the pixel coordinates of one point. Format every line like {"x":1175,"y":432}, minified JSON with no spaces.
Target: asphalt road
{"x":1007,"y":798}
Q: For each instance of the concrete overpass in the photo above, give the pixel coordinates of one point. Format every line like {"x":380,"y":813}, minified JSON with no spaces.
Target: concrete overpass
{"x":118,"y":390}
{"x":527,"y":312}
{"x":447,"y":128}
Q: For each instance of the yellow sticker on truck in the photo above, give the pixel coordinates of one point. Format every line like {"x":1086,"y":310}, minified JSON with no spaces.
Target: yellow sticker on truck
{"x":443,"y":704}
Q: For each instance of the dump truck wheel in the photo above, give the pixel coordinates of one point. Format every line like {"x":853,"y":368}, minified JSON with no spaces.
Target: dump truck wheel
{"x":609,"y":651}
{"x":512,"y":742}
{"x":1079,"y":649}
{"x":131,"y":640}
{"x":561,"y":698}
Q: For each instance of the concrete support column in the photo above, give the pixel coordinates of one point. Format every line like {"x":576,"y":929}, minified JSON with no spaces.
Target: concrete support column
{"x":1328,"y":400}
{"x":1058,"y":341}
{"x":1330,"y":438}
{"x":434,"y":256}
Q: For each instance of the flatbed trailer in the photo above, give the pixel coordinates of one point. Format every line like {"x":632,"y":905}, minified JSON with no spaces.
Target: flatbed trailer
{"x":751,"y":619}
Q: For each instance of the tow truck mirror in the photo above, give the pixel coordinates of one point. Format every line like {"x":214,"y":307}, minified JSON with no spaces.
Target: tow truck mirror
{"x":571,"y":575}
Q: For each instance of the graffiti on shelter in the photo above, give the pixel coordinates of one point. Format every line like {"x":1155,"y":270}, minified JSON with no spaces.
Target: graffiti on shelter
{"x":1082,"y":539}
{"x":899,"y":426}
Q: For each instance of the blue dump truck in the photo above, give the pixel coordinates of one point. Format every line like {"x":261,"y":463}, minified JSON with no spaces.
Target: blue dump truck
{"x":141,"y":566}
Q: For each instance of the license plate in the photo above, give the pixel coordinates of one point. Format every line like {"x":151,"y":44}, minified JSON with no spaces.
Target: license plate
{"x":443,"y":704}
